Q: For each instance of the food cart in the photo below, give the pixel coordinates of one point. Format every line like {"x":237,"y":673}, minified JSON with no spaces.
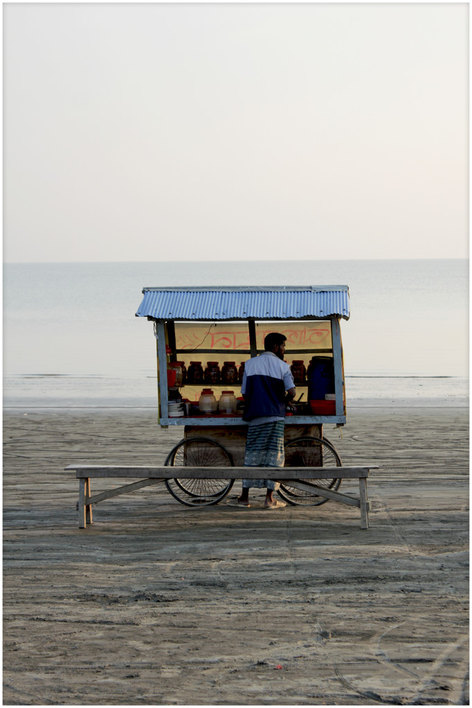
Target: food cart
{"x":203,"y":337}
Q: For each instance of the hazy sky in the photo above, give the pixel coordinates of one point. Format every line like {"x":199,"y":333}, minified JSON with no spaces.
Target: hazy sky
{"x":235,"y":131}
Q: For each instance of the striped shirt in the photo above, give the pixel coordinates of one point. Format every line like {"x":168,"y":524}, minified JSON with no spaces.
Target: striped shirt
{"x":265,"y":380}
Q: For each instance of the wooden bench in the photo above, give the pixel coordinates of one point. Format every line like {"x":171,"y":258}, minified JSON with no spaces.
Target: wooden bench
{"x":155,"y":475}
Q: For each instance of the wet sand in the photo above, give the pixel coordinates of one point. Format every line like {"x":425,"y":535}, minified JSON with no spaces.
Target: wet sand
{"x":157,"y":603}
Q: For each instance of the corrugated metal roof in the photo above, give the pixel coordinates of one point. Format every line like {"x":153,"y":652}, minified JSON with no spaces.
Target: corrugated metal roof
{"x":235,"y":303}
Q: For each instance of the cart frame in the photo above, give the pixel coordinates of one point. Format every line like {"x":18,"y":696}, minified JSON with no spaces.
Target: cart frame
{"x":250,"y":305}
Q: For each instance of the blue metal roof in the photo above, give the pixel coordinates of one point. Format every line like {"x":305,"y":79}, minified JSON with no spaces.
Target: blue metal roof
{"x":236,"y":303}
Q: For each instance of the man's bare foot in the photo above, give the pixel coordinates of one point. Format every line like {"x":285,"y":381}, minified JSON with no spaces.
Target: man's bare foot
{"x":274,"y":504}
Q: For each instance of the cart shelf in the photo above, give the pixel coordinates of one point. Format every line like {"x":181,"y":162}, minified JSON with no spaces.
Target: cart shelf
{"x":289,"y":420}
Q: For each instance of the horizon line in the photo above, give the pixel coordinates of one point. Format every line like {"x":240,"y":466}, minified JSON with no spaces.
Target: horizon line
{"x":255,"y":260}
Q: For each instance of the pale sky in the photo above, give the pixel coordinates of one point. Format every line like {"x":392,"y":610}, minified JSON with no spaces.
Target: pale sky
{"x":155,"y":132}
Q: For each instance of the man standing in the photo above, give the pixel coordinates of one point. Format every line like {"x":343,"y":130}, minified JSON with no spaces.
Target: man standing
{"x":267,"y":388}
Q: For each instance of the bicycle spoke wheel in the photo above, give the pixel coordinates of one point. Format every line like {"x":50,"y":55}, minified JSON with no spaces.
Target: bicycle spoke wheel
{"x":310,"y":452}
{"x":199,"y":452}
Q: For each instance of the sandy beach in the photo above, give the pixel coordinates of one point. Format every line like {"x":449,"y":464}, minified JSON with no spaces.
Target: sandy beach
{"x":157,"y":603}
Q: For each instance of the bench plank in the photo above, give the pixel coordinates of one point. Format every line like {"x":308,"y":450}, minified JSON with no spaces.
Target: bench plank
{"x":101,"y":471}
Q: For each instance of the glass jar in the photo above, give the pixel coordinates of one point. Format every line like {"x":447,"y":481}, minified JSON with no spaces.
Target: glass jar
{"x":207,"y":401}
{"x":227,"y":403}
{"x":229,"y":373}
{"x":241,"y":373}
{"x":184,"y":371}
{"x":174,"y":374}
{"x":298,"y":371}
{"x":195,"y":373}
{"x":212,"y":373}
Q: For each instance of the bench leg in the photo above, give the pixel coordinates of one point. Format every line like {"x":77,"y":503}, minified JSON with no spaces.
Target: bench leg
{"x":82,"y":510}
{"x":364,"y":502}
{"x":88,"y":507}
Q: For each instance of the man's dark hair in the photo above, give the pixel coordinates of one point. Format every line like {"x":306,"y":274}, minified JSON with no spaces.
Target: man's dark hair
{"x":273,"y":339}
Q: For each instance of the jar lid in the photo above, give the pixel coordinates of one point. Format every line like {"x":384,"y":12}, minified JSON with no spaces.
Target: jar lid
{"x":207,"y":390}
{"x":229,"y":363}
{"x":212,"y":363}
{"x":298,"y":361}
{"x":196,"y":362}
{"x":229,"y":393}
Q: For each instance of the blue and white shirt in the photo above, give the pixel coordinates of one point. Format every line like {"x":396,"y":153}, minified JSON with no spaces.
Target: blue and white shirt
{"x":265,"y":380}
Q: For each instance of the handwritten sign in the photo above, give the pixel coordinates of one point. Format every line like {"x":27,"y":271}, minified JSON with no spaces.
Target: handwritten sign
{"x":301,"y":336}
{"x":235,"y":337}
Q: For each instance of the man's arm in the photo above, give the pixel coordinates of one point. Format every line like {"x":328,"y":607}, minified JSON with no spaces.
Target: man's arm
{"x":289,"y":396}
{"x":290,"y":389}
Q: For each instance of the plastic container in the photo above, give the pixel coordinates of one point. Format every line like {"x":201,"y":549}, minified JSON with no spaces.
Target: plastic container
{"x":322,"y":407}
{"x":320,"y":378}
{"x":207,"y":401}
{"x":227,"y":403}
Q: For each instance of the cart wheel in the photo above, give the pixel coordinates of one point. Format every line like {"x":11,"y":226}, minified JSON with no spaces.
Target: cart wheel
{"x":311,"y":452}
{"x":199,"y":452}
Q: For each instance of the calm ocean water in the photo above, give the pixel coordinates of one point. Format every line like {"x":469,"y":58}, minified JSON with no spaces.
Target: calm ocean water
{"x":71,"y":338}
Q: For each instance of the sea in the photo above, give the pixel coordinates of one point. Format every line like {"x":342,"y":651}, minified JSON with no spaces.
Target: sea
{"x":72,"y":340}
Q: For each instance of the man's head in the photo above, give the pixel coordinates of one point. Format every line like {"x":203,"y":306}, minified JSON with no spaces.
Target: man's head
{"x":275,"y":342}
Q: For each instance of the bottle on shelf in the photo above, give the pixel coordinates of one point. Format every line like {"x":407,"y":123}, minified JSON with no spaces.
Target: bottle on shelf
{"x":212,"y":373}
{"x":298,"y":372}
{"x":227,"y":403}
{"x":207,"y":401}
{"x":174,"y":374}
{"x":184,"y":371}
{"x":195,"y":373}
{"x":229,"y":373}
